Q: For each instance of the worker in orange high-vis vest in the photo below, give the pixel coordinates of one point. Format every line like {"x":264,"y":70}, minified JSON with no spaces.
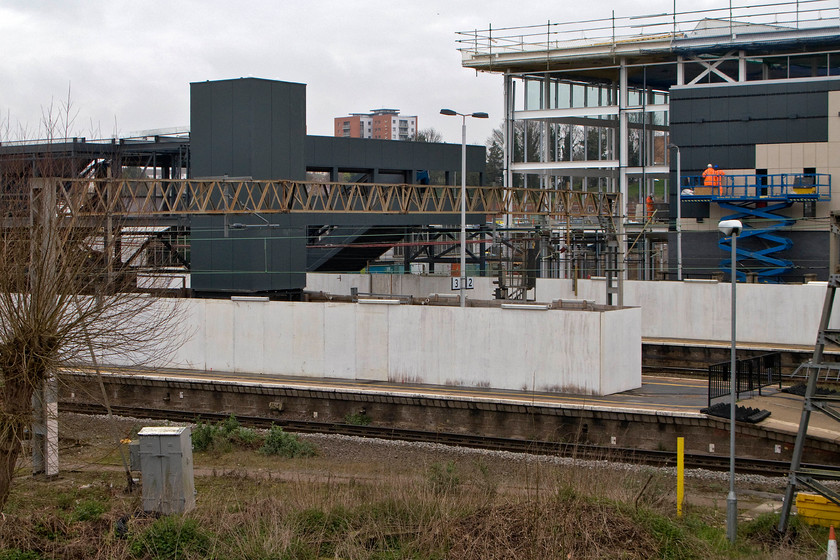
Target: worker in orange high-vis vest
{"x":719,"y":179}
{"x":649,"y":206}
{"x":709,"y":176}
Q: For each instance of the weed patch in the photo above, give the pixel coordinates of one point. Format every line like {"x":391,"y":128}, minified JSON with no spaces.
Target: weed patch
{"x":358,"y":419}
{"x":223,"y":436}
{"x":89,"y":510}
{"x":444,"y":479}
{"x":171,"y":537}
{"x":284,"y":444}
{"x":15,"y":554}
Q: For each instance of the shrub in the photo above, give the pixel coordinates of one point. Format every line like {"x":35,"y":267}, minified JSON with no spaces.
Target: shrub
{"x":229,"y":424}
{"x":284,"y":444}
{"x":223,"y":436}
{"x":171,"y":537}
{"x":244,"y":437}
{"x":203,"y":436}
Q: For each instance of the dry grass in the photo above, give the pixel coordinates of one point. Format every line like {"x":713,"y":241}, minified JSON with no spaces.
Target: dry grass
{"x":395,"y":502}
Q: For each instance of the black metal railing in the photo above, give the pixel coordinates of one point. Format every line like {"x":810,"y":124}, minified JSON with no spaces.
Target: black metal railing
{"x":751,"y":375}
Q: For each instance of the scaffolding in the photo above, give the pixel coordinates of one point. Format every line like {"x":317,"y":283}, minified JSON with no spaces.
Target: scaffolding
{"x":588,"y":104}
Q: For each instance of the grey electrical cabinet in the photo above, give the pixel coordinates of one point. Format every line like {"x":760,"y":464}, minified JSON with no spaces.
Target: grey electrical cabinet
{"x":166,"y":466}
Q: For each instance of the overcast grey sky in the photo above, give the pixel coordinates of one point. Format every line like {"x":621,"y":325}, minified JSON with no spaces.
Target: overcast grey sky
{"x":128,"y":65}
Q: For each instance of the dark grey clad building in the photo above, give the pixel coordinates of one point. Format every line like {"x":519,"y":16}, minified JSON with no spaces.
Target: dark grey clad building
{"x":253,"y":129}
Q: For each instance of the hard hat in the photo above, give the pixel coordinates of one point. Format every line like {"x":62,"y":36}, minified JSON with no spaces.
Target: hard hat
{"x":710,"y":165}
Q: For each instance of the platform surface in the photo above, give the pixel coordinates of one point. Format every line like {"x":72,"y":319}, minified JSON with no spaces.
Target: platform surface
{"x":658,"y":395}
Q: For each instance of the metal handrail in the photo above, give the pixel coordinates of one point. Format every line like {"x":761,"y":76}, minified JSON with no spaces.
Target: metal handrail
{"x":801,"y":14}
{"x":815,"y":186}
{"x":752,"y":374}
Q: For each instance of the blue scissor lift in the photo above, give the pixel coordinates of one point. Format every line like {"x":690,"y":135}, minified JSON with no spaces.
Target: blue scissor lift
{"x":756,"y":200}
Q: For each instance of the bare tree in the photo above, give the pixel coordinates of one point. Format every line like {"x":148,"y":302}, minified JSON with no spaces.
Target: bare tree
{"x":65,"y":299}
{"x":430,"y":135}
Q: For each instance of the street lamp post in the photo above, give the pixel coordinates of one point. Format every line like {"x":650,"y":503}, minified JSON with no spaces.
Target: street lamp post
{"x":679,"y":214}
{"x":732,"y":228}
{"x":462,"y":281}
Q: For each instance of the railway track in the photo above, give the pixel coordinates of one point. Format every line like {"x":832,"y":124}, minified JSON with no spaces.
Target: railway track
{"x":561,"y":449}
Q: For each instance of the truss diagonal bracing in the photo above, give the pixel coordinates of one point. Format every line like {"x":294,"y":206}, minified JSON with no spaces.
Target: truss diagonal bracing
{"x":760,"y":227}
{"x":152,"y":198}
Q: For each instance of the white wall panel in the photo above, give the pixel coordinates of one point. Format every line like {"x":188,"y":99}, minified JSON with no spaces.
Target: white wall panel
{"x":249,"y":335}
{"x":554,"y":350}
{"x":189,"y":345}
{"x":307,"y":348}
{"x":619,"y":354}
{"x":371,"y":327}
{"x":767,"y":313}
{"x":339,"y":340}
{"x":414,"y":345}
{"x":218,"y":332}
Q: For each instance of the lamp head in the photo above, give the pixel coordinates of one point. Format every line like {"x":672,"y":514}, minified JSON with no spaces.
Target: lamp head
{"x":480,"y":115}
{"x":447,"y":112}
{"x":730,"y":227}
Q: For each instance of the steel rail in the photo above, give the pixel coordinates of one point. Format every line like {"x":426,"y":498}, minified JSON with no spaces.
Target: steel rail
{"x":552,"y":448}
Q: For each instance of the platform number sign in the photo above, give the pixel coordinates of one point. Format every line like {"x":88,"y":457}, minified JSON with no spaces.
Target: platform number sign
{"x":456,"y":283}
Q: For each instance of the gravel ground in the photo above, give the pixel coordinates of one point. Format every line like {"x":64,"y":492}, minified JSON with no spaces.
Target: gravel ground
{"x":86,"y":439}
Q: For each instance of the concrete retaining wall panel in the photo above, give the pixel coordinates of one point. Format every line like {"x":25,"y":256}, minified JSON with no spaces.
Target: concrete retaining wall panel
{"x":218,"y":334}
{"x":293,"y":340}
{"x":249,"y":334}
{"x":415,"y":345}
{"x":308,"y":341}
{"x":618,"y":354}
{"x":191,"y":349}
{"x":555,"y":350}
{"x":337,"y":283}
{"x":371,"y":323}
{"x":767,"y":313}
{"x":339,"y":344}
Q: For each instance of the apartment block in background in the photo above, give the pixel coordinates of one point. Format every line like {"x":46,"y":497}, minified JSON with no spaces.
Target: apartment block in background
{"x":380,"y":124}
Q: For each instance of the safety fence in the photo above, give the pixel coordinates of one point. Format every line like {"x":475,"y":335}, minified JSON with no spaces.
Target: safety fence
{"x":751,"y":374}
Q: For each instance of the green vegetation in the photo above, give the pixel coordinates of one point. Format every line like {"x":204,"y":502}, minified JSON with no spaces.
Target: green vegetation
{"x":15,"y":554}
{"x":352,"y":504}
{"x":284,"y":444}
{"x":170,"y":538}
{"x":89,"y":510}
{"x":223,"y":436}
{"x":358,"y":419}
{"x":229,"y":434}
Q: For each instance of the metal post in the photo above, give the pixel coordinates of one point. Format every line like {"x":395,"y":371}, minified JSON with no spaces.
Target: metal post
{"x":731,"y":499}
{"x":623,"y":162}
{"x":462,"y":274}
{"x":462,"y":280}
{"x":679,"y":218}
{"x":679,"y":214}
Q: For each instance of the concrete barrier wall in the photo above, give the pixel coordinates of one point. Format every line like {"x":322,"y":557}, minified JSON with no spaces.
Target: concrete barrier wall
{"x":693,"y":310}
{"x":588,"y":352}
